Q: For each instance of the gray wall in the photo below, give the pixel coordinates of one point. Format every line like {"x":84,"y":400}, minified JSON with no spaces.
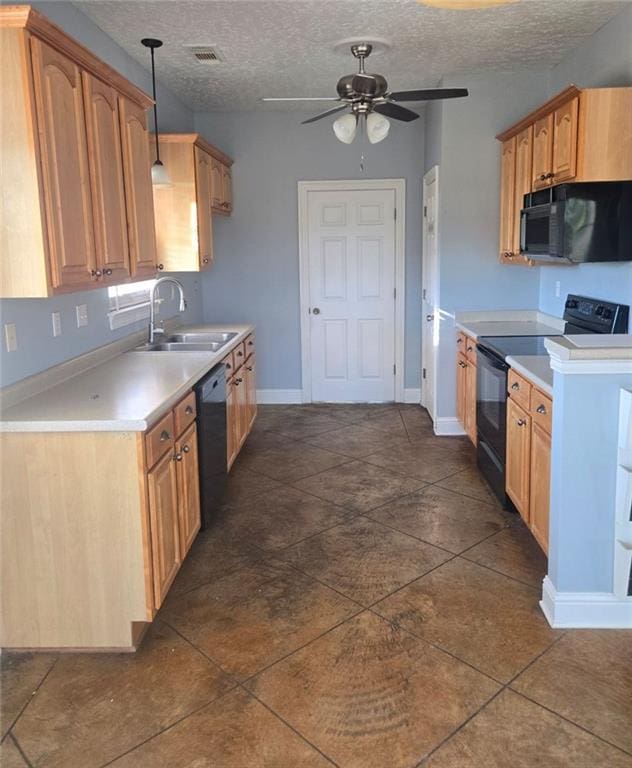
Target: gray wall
{"x":37,"y":348}
{"x":470,"y":276}
{"x":603,"y":60}
{"x":256,"y":274}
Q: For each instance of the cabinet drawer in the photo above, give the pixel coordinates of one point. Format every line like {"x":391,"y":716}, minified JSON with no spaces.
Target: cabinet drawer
{"x":184,"y":413}
{"x":470,"y":350}
{"x":229,"y":364}
{"x":541,"y":409}
{"x":250,"y":344}
{"x":159,"y":439}
{"x":239,"y":355}
{"x":460,"y":342}
{"x":519,"y":389}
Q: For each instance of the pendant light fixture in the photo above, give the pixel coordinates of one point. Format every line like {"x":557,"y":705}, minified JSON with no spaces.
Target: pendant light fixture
{"x":159,"y":175}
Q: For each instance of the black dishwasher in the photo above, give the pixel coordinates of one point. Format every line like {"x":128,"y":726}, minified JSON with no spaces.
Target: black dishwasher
{"x":210,"y":397}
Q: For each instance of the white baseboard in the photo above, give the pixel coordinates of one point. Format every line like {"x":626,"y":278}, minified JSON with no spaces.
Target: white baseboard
{"x":412,"y":396}
{"x":447,"y":425}
{"x":279,"y":396}
{"x":588,"y":610}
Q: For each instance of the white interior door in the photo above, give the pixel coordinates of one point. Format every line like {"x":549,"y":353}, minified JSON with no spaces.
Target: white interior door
{"x":429,"y":292}
{"x":351,"y":272}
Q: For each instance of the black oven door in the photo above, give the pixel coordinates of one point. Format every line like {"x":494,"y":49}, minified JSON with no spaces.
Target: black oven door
{"x":491,"y":400}
{"x":535,"y":230}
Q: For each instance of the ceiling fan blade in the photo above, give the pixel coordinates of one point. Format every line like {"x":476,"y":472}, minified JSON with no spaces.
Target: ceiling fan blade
{"x":396,"y":112}
{"x":365,"y":85}
{"x":429,"y":94}
{"x":300,"y":98}
{"x":324,"y":114}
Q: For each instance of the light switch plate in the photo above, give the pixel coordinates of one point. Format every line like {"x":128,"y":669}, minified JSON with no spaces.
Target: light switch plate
{"x":10,"y":337}
{"x":56,"y":320}
{"x":82,"y":315}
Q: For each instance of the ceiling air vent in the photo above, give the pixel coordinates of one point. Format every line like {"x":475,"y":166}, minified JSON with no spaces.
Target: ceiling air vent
{"x":207,"y":54}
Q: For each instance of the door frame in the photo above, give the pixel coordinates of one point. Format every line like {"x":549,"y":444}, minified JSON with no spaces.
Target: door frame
{"x":433,"y":287}
{"x":398,"y":186}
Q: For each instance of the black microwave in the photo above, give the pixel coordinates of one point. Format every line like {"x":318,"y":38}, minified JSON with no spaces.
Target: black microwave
{"x":578,"y":222}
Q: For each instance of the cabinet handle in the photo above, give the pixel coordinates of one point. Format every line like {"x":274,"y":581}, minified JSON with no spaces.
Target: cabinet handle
{"x":543,"y":177}
{"x":240,"y":354}
{"x":188,"y":410}
{"x":541,"y":408}
{"x":160,"y":266}
{"x":508,"y":255}
{"x":107,"y":272}
{"x":164,"y":436}
{"x":238,"y":381}
{"x":96,"y":273}
{"x":469,"y":349}
{"x":515,"y":386}
{"x":250,"y":343}
{"x":228,"y":365}
{"x":462,"y":364}
{"x":459,"y":341}
{"x":521,"y":422}
{"x":177,"y":457}
{"x":249,"y":367}
{"x":205,"y":260}
{"x":550,"y":175}
{"x":185,"y":449}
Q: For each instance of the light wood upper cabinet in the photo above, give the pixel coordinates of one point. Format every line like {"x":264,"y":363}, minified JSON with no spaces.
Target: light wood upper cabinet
{"x":195,"y":167}
{"x":138,"y":190}
{"x":227,"y":189}
{"x":65,"y":169}
{"x":163,"y":516}
{"x":565,"y":125}
{"x":108,"y":188}
{"x":542,"y":152}
{"x":75,"y":211}
{"x":203,"y":185}
{"x":507,"y":198}
{"x":188,"y":489}
{"x":518,"y":467}
{"x":522,"y":187}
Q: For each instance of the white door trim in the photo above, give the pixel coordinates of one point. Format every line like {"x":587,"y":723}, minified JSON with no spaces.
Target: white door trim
{"x":433,"y":288}
{"x":399,"y":188}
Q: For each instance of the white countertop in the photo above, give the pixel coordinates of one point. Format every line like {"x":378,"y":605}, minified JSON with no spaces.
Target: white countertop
{"x":536,"y":368}
{"x":127,"y":393}
{"x":507,"y":328}
{"x":592,"y":346}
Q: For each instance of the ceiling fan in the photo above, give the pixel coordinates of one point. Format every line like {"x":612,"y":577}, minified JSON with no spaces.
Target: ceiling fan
{"x":367,"y":97}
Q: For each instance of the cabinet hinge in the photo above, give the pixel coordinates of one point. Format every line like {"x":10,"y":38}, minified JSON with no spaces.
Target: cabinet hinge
{"x":425,"y":211}
{"x":423,"y":294}
{"x":395,"y":294}
{"x":395,"y":213}
{"x":423,"y":373}
{"x":394,"y":370}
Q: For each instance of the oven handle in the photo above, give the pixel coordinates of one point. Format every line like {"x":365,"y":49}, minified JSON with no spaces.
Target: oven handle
{"x":492,"y":357}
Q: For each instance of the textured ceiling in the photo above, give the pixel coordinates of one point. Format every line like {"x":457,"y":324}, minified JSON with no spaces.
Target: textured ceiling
{"x":286,"y":47}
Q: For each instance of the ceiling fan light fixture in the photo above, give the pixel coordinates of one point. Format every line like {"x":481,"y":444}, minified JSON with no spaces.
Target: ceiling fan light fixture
{"x":465,"y":5}
{"x":345,"y":127}
{"x":377,"y":127}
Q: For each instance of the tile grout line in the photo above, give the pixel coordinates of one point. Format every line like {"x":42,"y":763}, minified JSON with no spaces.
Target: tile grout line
{"x":18,"y":746}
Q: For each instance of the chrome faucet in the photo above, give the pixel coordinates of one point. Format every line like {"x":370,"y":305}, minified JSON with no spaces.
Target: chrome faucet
{"x":153,"y":330}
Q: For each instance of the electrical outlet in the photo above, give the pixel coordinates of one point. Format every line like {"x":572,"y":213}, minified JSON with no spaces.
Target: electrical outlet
{"x":557,"y":289}
{"x":10,"y":337}
{"x":56,"y":320}
{"x":82,"y":315}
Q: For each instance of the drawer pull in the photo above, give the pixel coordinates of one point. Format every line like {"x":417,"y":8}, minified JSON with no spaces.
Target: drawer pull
{"x":250,"y":343}
{"x":240,"y":354}
{"x":188,"y":410}
{"x":462,"y":364}
{"x":185,"y":449}
{"x":177,"y":457}
{"x":469,"y":349}
{"x":249,"y":367}
{"x":164,"y":436}
{"x":515,"y":385}
{"x":541,"y":408}
{"x":521,"y":422}
{"x":459,"y":341}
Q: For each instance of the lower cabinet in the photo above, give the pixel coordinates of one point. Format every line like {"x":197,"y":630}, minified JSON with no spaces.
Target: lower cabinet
{"x":528,"y":470}
{"x":466,"y":384}
{"x":241,"y":399}
{"x":163,"y":521}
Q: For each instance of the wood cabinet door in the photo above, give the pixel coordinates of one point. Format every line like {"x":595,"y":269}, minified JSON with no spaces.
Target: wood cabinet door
{"x":217,"y":184}
{"x":106,"y":175}
{"x":203,"y":187}
{"x":524,"y":161}
{"x":227,"y":189}
{"x":250,"y":367}
{"x":139,"y":198}
{"x":232,"y":423}
{"x":65,"y":168}
{"x":163,"y":521}
{"x":507,"y":199}
{"x":565,"y":121}
{"x":518,"y":457}
{"x":461,"y":387}
{"x":241,"y":399}
{"x":540,"y":485}
{"x":542,"y":152}
{"x":470,"y":401}
{"x":188,"y":488}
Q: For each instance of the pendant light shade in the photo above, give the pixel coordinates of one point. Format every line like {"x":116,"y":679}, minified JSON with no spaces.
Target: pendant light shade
{"x":377,"y":127}
{"x":159,"y":175}
{"x":345,"y":128}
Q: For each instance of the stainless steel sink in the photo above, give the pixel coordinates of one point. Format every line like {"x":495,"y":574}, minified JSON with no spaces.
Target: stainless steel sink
{"x":191,"y":341}
{"x":202,"y":337}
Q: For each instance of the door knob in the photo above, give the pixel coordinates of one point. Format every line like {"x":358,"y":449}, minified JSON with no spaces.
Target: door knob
{"x":316,"y":311}
{"x":429,"y":318}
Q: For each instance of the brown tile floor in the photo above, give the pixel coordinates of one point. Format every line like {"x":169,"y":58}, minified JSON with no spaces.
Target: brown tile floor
{"x":362,"y":601}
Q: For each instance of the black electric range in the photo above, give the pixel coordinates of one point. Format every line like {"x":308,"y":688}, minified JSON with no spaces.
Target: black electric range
{"x":581,"y":315}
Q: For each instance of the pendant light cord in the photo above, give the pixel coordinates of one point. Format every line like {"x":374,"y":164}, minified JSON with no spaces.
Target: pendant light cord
{"x":153,"y":83}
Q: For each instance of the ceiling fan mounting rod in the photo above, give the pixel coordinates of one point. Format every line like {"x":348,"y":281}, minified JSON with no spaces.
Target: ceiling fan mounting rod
{"x":361,"y":51}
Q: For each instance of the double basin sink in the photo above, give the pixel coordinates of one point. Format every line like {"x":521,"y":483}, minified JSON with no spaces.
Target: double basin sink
{"x":193,"y":341}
